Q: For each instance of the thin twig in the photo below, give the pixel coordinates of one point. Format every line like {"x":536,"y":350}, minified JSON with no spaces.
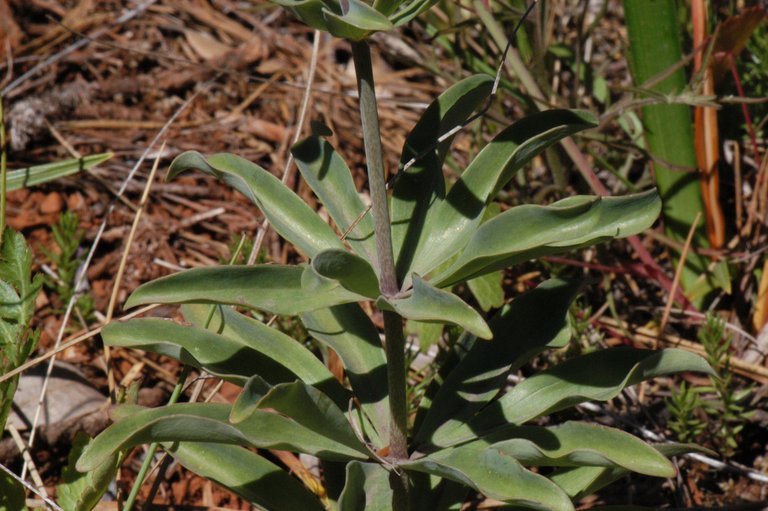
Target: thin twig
{"x":24,"y":450}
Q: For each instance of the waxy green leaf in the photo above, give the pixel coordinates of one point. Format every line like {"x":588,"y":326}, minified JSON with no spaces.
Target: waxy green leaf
{"x":208,"y":422}
{"x":579,"y":482}
{"x":367,"y":487}
{"x":227,"y":358}
{"x":494,"y":474}
{"x":430,"y":304}
{"x":82,"y":491}
{"x":577,"y":380}
{"x":533,"y":321}
{"x":350,"y":271}
{"x":282,"y":350}
{"x":418,"y":188}
{"x":270,"y":287}
{"x":452,"y":222}
{"x":358,"y":22}
{"x":247,"y":401}
{"x":247,"y":474}
{"x":578,"y":444}
{"x":528,"y":231}
{"x":291,"y":217}
{"x":331,"y":180}
{"x":310,"y":408}
{"x":350,"y":333}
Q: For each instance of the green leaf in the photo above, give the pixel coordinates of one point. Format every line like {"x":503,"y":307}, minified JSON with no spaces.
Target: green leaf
{"x":410,"y":10}
{"x":313,"y":410}
{"x":329,"y":177}
{"x":351,"y":271}
{"x":427,"y":333}
{"x":430,"y":304}
{"x":348,"y":331}
{"x":308,"y":11}
{"x":452,"y":222}
{"x":529,"y":231}
{"x":18,"y":289}
{"x":367,"y":487}
{"x":12,"y":494}
{"x":533,"y":321}
{"x":578,"y":444}
{"x":418,"y":188}
{"x":247,"y":474}
{"x":284,"y":351}
{"x":488,"y":290}
{"x":80,"y":491}
{"x":271,"y":287}
{"x":227,"y":358}
{"x":359,"y":22}
{"x":495,"y":475}
{"x":291,"y":217}
{"x":597,"y":376}
{"x":247,"y":401}
{"x":208,"y":422}
{"x":579,"y":482}
{"x":39,"y":174}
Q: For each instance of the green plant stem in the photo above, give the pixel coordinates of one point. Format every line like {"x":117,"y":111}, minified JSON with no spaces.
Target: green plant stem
{"x":393,"y":324}
{"x":145,"y":466}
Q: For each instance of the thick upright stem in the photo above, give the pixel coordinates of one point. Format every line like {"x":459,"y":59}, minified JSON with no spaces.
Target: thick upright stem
{"x":393,"y":324}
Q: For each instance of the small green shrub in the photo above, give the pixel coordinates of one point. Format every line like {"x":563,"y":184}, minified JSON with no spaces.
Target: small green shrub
{"x":66,"y":259}
{"x":468,"y":433}
{"x":720,"y":402}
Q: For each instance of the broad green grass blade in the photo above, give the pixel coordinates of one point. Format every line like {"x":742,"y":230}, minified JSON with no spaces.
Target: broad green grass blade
{"x":350,"y":333}
{"x":528,"y":231}
{"x":532,"y":322}
{"x":283,"y":350}
{"x":654,"y":47}
{"x":329,"y":177}
{"x":367,"y":487}
{"x":350,"y":271}
{"x":247,"y":474}
{"x":39,"y":174}
{"x":419,"y":187}
{"x":208,"y":422}
{"x":291,"y":217}
{"x":430,"y":304}
{"x":453,"y":222}
{"x":271,"y":287}
{"x":576,"y":381}
{"x":495,"y":475}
